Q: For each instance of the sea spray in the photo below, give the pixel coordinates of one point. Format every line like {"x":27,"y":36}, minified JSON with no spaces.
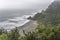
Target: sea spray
{"x":15,"y":22}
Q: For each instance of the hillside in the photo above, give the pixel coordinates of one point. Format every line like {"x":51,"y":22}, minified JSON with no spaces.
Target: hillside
{"x":54,"y":7}
{"x":47,"y":22}
{"x":51,"y":14}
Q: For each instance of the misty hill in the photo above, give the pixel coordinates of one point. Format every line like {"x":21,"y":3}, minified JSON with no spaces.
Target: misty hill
{"x":51,"y":14}
{"x":54,"y":7}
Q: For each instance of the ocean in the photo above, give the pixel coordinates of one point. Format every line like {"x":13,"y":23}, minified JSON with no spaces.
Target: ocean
{"x":10,"y":19}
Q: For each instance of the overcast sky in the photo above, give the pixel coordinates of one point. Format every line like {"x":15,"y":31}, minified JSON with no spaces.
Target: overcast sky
{"x":21,"y":4}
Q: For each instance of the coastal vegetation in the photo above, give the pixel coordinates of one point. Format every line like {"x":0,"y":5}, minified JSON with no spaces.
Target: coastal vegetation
{"x":48,"y":26}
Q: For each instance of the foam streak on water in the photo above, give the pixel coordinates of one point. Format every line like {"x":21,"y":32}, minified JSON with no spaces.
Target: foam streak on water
{"x":15,"y":22}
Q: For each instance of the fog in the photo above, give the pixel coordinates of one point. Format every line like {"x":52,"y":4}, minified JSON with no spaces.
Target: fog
{"x":12,"y":10}
{"x":22,"y":4}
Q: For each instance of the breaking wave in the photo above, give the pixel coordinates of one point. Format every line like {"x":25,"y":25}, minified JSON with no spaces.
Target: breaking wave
{"x":15,"y":22}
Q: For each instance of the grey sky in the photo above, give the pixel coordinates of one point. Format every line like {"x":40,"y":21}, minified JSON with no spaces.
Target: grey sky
{"x":21,"y":4}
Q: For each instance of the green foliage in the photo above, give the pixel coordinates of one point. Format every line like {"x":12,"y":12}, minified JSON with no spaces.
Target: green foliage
{"x":14,"y":34}
{"x":3,"y":37}
{"x":50,"y":15}
{"x":48,"y":26}
{"x":1,"y":31}
{"x":42,"y":32}
{"x":38,"y":16}
{"x":31,"y":36}
{"x":49,"y":32}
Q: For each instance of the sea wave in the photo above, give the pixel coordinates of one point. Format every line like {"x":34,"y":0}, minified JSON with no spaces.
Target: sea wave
{"x":15,"y":22}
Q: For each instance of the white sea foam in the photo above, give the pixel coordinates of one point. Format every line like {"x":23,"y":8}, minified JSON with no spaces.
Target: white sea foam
{"x":15,"y":22}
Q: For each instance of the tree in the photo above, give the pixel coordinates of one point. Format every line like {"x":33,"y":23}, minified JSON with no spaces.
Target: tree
{"x":14,"y":34}
{"x":3,"y":37}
